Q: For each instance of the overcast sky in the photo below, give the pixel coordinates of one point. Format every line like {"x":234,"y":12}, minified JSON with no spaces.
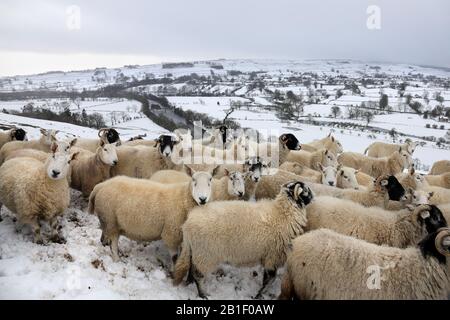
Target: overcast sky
{"x":38,"y":35}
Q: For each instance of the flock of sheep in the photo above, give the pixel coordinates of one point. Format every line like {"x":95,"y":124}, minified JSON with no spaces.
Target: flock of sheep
{"x":327,"y":216}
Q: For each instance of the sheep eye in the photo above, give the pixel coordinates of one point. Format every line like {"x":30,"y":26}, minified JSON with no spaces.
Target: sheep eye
{"x":414,"y":197}
{"x":104,"y":149}
{"x":345,"y":177}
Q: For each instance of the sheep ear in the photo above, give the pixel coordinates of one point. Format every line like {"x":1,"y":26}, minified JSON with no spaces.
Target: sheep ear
{"x":54,"y":147}
{"x":156,"y":143}
{"x":43,"y":131}
{"x":226,"y":172}
{"x":189,"y":171}
{"x":215,"y":170}
{"x":326,"y":151}
{"x":73,"y":142}
{"x":320,"y":166}
{"x":424,"y":214}
{"x":332,"y":139}
{"x":102,"y":142}
{"x":74,"y":156}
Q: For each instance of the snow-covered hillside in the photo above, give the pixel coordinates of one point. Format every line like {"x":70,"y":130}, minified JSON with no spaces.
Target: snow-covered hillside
{"x":82,"y":268}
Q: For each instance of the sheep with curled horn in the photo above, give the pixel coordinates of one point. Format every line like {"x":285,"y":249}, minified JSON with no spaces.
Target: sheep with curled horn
{"x":107,"y":135}
{"x":13,"y":134}
{"x":318,"y":266}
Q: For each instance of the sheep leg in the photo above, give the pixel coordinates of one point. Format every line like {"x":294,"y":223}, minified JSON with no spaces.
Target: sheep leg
{"x":115,"y":247}
{"x":269,"y":276}
{"x":197,"y":278}
{"x":36,"y":228}
{"x":55,"y":234}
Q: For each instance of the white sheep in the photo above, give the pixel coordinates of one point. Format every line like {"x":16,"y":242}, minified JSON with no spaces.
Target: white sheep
{"x":301,"y":170}
{"x":382,"y":149}
{"x":329,"y":142}
{"x":442,"y":180}
{"x":107,"y":135}
{"x":375,"y":167}
{"x":440,"y":167}
{"x":242,"y":234}
{"x":230,"y":187}
{"x":347,"y":178}
{"x":14,"y":134}
{"x":43,"y":144}
{"x":324,"y":264}
{"x":145,"y":210}
{"x":312,"y":159}
{"x":373,"y":224}
{"x":37,"y":191}
{"x":89,"y":169}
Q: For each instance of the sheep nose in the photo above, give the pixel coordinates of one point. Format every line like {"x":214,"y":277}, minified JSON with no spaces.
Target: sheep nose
{"x":202,"y":200}
{"x":256,"y":179}
{"x":298,"y":147}
{"x":114,"y":162}
{"x":331,"y":183}
{"x":55,"y":173}
{"x":240,"y":193}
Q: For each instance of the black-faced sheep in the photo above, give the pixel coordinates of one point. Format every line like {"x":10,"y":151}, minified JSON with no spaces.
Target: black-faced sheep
{"x":14,"y":134}
{"x":107,"y":135}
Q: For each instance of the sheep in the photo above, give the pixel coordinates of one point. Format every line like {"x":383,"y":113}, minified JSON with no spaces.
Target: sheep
{"x":229,"y":187}
{"x":312,"y":159}
{"x":329,"y":142}
{"x":318,"y":267}
{"x":143,"y":161}
{"x":255,"y":168}
{"x":416,"y":181}
{"x":14,"y":134}
{"x":242,"y":234}
{"x":37,"y":191}
{"x":107,"y":135}
{"x":146,"y":210}
{"x":30,"y":153}
{"x":442,"y":180}
{"x":381,"y":149}
{"x":274,"y":153}
{"x":382,"y":193}
{"x":376,"y":225}
{"x":301,"y":170}
{"x":43,"y":144}
{"x":346,"y":178}
{"x":375,"y":167}
{"x":440,"y":167}
{"x":90,"y":169}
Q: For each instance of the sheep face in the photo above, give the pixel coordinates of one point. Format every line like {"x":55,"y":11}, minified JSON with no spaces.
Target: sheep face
{"x":328,"y":175}
{"x":298,"y":192}
{"x":420,"y":197}
{"x":48,"y":136}
{"x":18,"y":135}
{"x":257,"y":168}
{"x":394,"y":188}
{"x":431,"y":217}
{"x":329,"y":159}
{"x":185,"y":139}
{"x":347,"y":177}
{"x":112,"y":136}
{"x":200,"y":184}
{"x":107,"y":153}
{"x":236,"y":185}
{"x":165,"y":144}
{"x":406,"y":158}
{"x":290,"y":141}
{"x":58,"y":164}
{"x":411,"y":146}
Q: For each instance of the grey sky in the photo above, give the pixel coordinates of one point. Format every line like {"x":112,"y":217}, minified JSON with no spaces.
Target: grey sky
{"x":34,"y":36}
